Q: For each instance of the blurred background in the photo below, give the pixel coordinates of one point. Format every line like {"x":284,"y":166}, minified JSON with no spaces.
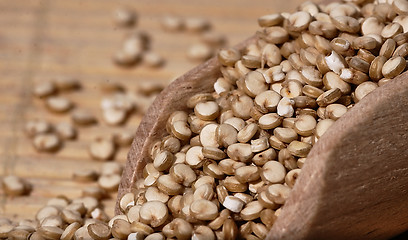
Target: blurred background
{"x":87,"y":41}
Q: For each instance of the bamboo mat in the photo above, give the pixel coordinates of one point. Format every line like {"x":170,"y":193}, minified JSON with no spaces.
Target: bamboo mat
{"x":41,"y":39}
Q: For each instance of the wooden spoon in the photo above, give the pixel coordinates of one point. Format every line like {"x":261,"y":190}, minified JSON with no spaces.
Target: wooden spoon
{"x":354,"y":184}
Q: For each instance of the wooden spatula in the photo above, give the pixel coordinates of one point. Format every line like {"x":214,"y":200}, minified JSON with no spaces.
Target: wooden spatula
{"x":354,"y":184}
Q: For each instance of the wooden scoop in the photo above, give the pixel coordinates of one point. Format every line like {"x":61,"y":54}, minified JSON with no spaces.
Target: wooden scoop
{"x":354,"y":184}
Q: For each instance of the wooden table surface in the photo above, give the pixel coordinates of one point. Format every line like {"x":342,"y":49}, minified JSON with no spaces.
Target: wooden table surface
{"x":42,"y":39}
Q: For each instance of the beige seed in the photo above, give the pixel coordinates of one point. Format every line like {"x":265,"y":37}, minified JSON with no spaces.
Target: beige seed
{"x":34,"y":127}
{"x":251,"y":61}
{"x":46,"y":212}
{"x":66,"y":131}
{"x":246,"y":133}
{"x":376,"y":66}
{"x":155,"y":236}
{"x":181,"y":130}
{"x":298,"y":21}
{"x":197,"y":24}
{"x":191,"y":103}
{"x":237,"y":123}
{"x":391,"y":30}
{"x":260,"y":144}
{"x":195,"y":157}
{"x":199,"y":52}
{"x":83,"y":117}
{"x":363,"y":89}
{"x":213,"y":153}
{"x":114,"y":116}
{"x":278,"y":193}
{"x":125,"y":58}
{"x":364,"y":42}
{"x":102,"y":149}
{"x":233,"y":185}
{"x":222,"y":85}
{"x":304,"y":125}
{"x":276,"y":143}
{"x":311,"y":76}
{"x":124,"y":17}
{"x":85,"y":175}
{"x":109,"y":182}
{"x":44,"y":89}
{"x":353,"y":76}
{"x":291,"y":89}
{"x":99,"y":231}
{"x":359,"y":64}
{"x":270,"y":20}
{"x":47,"y":142}
{"x":52,"y":221}
{"x":273,"y":172}
{"x":284,"y":134}
{"x":153,"y":59}
{"x":172,"y":23}
{"x":335,"y":111}
{"x":202,"y":209}
{"x":247,"y":174}
{"x":208,"y":135}
{"x":58,"y":104}
{"x":388,"y":48}
{"x":241,"y":105}
{"x":271,"y":55}
{"x":322,"y":127}
{"x":202,"y":232}
{"x":255,"y":83}
{"x":393,"y":67}
{"x":263,"y":157}
{"x":371,"y":25}
{"x":70,"y":230}
{"x":322,"y":45}
{"x":179,"y":228}
{"x":204,"y":191}
{"x":267,"y":101}
{"x":226,"y":135}
{"x":183,"y":174}
{"x":245,"y":230}
{"x":233,"y":204}
{"x":251,"y":211}
{"x":163,"y":161}
{"x":346,"y":24}
{"x":332,"y":80}
{"x":154,"y":194}
{"x":240,"y":152}
{"x":291,"y":177}
{"x":141,"y":227}
{"x":230,"y":230}
{"x":15,"y":186}
{"x":136,"y":236}
{"x":121,"y":229}
{"x":312,"y":91}
{"x":207,"y":110}
{"x":275,"y":35}
{"x":154,"y":213}
{"x":49,"y":232}
{"x":299,"y":149}
{"x":168,"y":185}
{"x":401,"y":50}
{"x":133,"y":213}
{"x":400,"y":6}
{"x":335,"y":62}
{"x":328,"y":97}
